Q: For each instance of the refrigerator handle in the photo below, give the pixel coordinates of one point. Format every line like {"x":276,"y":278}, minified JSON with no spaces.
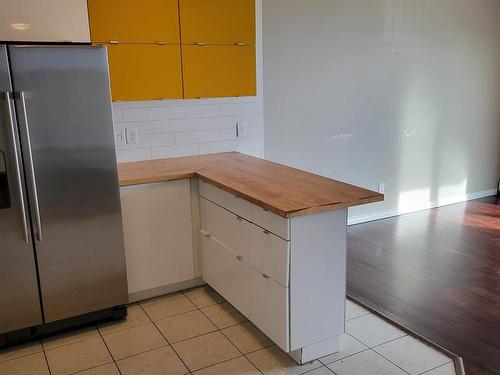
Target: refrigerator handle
{"x":31,"y":169}
{"x":8,"y":100}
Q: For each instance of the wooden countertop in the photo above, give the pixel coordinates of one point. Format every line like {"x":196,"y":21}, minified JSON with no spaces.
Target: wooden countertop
{"x":283,"y":190}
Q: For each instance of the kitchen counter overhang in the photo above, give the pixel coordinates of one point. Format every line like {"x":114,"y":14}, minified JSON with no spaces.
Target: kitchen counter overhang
{"x":283,"y":190}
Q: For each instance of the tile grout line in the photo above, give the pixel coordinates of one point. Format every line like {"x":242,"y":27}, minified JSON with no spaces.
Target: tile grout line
{"x":45,"y":356}
{"x":243,"y":355}
{"x":168,"y":342}
{"x":227,"y":338}
{"x":109,"y":351}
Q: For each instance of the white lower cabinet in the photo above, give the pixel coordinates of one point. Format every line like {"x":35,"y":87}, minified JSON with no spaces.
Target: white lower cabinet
{"x":258,"y":297}
{"x":286,"y":275}
{"x":158,"y":234}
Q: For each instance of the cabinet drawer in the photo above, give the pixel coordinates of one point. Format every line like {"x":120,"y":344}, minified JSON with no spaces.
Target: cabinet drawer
{"x":224,"y":226}
{"x":270,"y":253}
{"x":267,"y":252}
{"x":262,"y":300}
{"x":227,"y":200}
{"x":272,"y":222}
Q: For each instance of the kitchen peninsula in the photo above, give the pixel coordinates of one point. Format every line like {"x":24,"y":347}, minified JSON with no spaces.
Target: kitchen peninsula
{"x":270,"y":239}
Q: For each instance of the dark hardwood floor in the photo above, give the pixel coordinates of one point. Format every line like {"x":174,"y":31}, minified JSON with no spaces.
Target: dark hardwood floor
{"x":436,"y":272}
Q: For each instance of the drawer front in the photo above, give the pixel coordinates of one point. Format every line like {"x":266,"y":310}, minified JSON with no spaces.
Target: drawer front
{"x":225,"y":226}
{"x":266,"y":251}
{"x":269,"y":253}
{"x":271,"y":305}
{"x":272,"y":222}
{"x":239,"y":206}
{"x":262,"y":300}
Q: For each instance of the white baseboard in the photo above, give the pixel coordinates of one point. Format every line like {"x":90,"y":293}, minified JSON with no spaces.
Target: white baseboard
{"x":358,"y":219}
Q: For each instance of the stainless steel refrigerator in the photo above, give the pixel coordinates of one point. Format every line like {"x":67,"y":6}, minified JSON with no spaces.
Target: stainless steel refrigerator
{"x":62,"y":258}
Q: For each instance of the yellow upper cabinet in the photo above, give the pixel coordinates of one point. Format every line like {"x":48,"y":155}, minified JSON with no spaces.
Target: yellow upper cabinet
{"x":145,"y":71}
{"x":134,"y":21}
{"x":217,"y":21}
{"x":218,"y":71}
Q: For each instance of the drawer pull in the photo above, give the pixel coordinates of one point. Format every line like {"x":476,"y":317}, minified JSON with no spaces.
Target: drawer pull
{"x":265,"y":276}
{"x":200,"y":44}
{"x":266,"y":231}
{"x":239,"y":257}
{"x":114,"y":42}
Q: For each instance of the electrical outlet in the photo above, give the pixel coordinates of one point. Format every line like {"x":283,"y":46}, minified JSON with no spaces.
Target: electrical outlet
{"x":381,"y":188}
{"x":120,"y":138}
{"x":132,"y":135}
{"x":241,"y":129}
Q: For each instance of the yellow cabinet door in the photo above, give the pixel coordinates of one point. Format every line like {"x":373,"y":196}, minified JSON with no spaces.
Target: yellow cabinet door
{"x":134,"y":21}
{"x":145,"y":71}
{"x":218,"y":71}
{"x":217,"y":21}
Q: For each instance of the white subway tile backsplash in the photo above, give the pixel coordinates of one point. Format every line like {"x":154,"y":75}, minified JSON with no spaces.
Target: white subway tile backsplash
{"x":135,"y":114}
{"x":167,"y":126}
{"x":150,"y":140}
{"x":249,"y":144}
{"x":228,"y":134}
{"x":254,"y":132}
{"x":198,"y":136}
{"x":141,"y":126}
{"x":174,"y":151}
{"x":240,"y":109}
{"x":218,"y":122}
{"x":126,"y":156}
{"x":253,"y":120}
{"x":117,"y":115}
{"x":161,"y":113}
{"x":212,"y":147}
{"x":196,"y":111}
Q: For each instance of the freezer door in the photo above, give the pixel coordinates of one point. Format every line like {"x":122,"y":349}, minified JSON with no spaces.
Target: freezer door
{"x":19,"y":299}
{"x":64,"y":113}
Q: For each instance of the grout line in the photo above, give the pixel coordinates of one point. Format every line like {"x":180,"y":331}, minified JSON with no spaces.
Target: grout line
{"x":161,"y":333}
{"x":227,"y":338}
{"x":46,"y":360}
{"x":109,"y":351}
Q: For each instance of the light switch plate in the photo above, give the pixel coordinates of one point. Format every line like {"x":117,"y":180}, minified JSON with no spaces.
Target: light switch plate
{"x":241,"y":129}
{"x":120,"y":138}
{"x":131,"y":136}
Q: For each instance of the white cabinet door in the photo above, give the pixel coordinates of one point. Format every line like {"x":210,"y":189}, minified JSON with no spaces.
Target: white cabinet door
{"x":158,"y":234}
{"x":261,"y":299}
{"x":44,"y":21}
{"x":227,"y":200}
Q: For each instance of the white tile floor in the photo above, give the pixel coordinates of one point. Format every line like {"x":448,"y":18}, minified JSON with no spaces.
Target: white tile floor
{"x":197,"y":332}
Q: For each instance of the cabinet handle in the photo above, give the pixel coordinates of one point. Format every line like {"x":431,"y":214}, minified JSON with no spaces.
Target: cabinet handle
{"x":239,"y":44}
{"x":201,"y":44}
{"x":266,"y":231}
{"x":161,"y":43}
{"x":239,"y":257}
{"x":114,"y":42}
{"x":265,"y":276}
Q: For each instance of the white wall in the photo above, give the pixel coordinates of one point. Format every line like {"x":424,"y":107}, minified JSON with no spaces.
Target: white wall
{"x":405,"y":92}
{"x":169,"y":128}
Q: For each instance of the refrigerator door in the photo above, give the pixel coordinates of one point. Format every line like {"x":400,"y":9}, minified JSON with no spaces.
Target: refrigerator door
{"x":64,"y":113}
{"x":19,"y":298}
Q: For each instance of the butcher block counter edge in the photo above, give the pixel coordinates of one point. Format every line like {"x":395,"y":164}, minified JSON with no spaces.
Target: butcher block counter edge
{"x":284,"y":190}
